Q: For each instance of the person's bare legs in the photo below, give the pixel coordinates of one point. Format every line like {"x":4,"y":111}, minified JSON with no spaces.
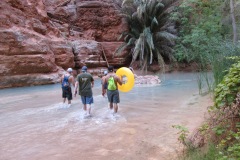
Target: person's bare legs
{"x":115,"y":106}
{"x":69,"y":104}
{"x":63,"y":104}
{"x":85,"y":108}
{"x":88,"y":109}
{"x":110,"y":105}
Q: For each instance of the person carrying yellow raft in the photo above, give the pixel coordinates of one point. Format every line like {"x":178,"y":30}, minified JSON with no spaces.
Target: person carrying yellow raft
{"x":111,"y":79}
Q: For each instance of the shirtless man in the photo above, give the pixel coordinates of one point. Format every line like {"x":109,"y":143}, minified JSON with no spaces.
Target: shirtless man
{"x":67,"y":81}
{"x":112,"y":93}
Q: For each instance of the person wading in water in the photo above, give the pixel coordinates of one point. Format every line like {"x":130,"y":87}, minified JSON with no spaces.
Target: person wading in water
{"x":67,"y":80}
{"x":84,"y":85}
{"x":111,"y":79}
{"x":102,"y":82}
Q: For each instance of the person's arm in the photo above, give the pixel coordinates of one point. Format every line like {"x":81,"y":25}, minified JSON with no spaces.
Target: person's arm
{"x":103,"y":84}
{"x":119,"y":80}
{"x":92,"y":83}
{"x":76,"y":88}
{"x":62,"y":79}
{"x":72,"y":80}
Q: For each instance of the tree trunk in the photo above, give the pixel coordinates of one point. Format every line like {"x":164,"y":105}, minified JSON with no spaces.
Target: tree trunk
{"x":233,"y":21}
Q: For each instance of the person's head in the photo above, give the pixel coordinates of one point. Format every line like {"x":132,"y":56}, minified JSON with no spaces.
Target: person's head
{"x":105,"y":73}
{"x":110,"y":68}
{"x":69,"y":70}
{"x":84,"y":69}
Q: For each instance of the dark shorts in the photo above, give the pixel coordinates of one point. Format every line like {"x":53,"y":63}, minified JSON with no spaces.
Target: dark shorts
{"x":105,"y":86}
{"x":87,"y":100}
{"x":67,"y":93}
{"x":113,"y":96}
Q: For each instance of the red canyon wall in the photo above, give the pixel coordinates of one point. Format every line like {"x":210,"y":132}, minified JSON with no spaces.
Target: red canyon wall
{"x":41,"y":38}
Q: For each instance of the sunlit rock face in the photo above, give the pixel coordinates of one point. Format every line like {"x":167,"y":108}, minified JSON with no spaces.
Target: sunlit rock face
{"x":39,"y":39}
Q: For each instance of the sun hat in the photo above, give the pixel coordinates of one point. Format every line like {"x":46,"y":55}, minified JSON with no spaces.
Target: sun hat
{"x":84,"y":68}
{"x":69,"y":70}
{"x":105,"y":72}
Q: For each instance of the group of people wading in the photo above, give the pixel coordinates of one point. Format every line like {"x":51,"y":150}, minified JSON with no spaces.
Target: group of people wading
{"x":84,"y":84}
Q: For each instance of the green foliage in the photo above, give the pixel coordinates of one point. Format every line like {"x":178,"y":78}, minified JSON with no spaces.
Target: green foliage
{"x":199,"y":26}
{"x":226,"y":92}
{"x":151,"y":34}
{"x":219,"y":130}
{"x":226,"y":111}
{"x":202,"y":40}
{"x":230,"y":146}
{"x":183,"y":133}
{"x":210,"y":152}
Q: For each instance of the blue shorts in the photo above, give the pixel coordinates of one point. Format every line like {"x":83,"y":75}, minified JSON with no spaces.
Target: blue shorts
{"x":87,"y":100}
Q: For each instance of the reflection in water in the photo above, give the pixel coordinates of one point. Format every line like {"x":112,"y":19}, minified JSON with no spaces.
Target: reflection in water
{"x":35,"y":125}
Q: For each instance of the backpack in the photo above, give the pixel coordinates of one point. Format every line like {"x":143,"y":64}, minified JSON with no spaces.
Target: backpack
{"x":65,"y":83}
{"x":111,"y":84}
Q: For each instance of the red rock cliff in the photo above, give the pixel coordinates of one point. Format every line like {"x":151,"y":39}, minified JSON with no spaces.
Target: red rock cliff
{"x":41,"y":38}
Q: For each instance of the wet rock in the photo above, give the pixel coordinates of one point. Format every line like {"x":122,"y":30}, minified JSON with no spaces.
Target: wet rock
{"x":148,"y":79}
{"x":28,"y":79}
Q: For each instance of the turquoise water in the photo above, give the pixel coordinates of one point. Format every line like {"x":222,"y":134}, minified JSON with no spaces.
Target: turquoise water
{"x":35,"y":125}
{"x":170,"y":83}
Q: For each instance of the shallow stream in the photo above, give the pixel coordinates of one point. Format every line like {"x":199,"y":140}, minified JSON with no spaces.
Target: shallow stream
{"x":35,"y":126}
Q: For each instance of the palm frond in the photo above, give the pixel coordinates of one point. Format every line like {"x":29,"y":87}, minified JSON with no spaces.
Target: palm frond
{"x":167,"y":52}
{"x":158,"y":8}
{"x":149,"y":39}
{"x":126,"y":38}
{"x":142,"y":12}
{"x":154,"y":23}
{"x":127,"y":2}
{"x":151,"y":57}
{"x":145,"y":62}
{"x":150,"y":30}
{"x":122,"y":35}
{"x":161,"y":62}
{"x":165,"y":12}
{"x":172,"y":30}
{"x":131,"y":41}
{"x":119,"y":50}
{"x":126,"y":16}
{"x":150,"y":6}
{"x":135,"y":32}
{"x":165,"y":35}
{"x":137,"y":48}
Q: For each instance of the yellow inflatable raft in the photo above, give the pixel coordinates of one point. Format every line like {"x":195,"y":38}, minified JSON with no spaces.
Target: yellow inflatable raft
{"x":127,"y":76}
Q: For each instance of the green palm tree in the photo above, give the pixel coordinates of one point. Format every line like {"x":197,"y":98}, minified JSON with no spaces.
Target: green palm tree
{"x":151,"y":34}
